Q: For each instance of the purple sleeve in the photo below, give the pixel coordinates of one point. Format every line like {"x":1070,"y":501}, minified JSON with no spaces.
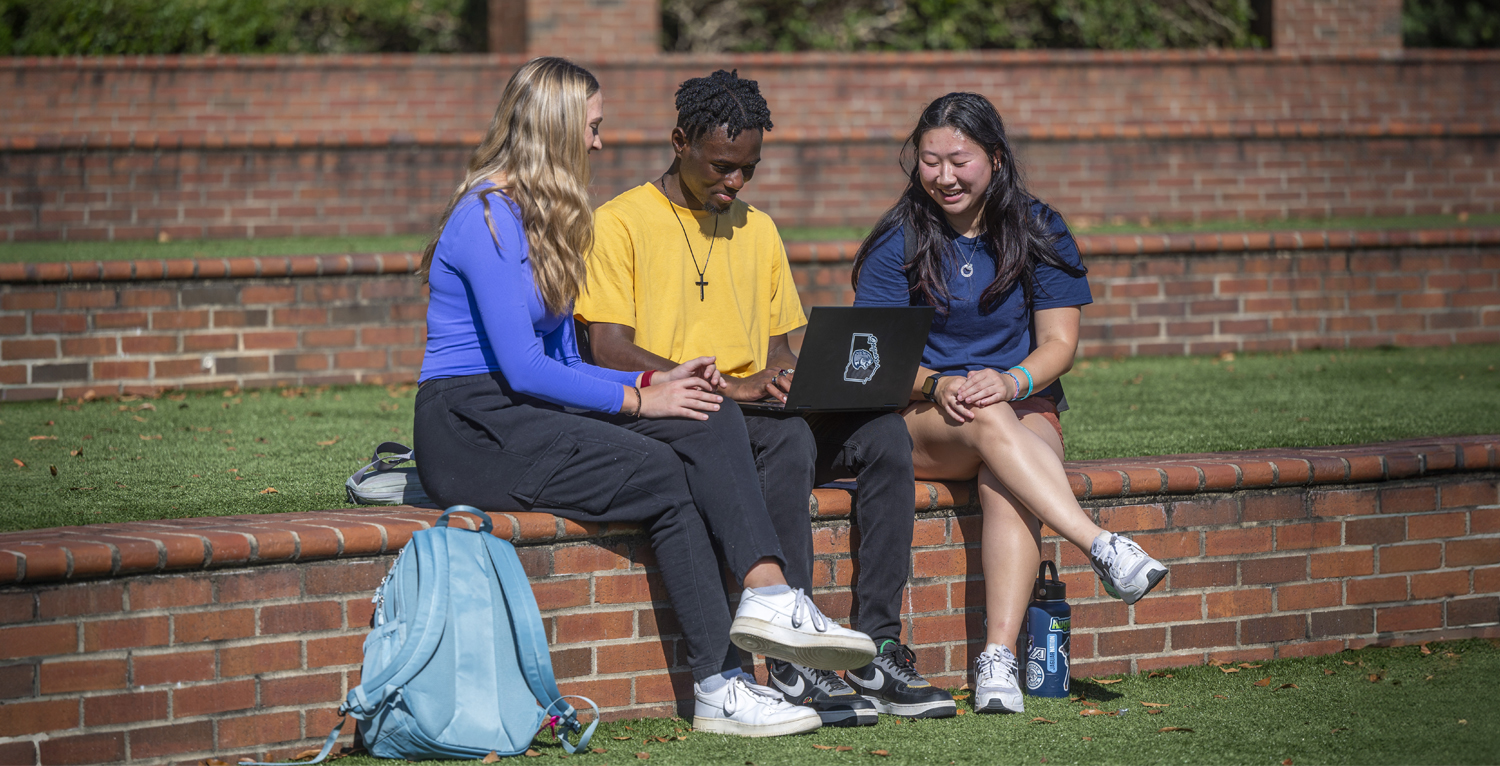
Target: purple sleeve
{"x":497,"y":281}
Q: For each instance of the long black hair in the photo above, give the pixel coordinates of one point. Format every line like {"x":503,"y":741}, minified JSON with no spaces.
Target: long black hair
{"x":1019,"y":238}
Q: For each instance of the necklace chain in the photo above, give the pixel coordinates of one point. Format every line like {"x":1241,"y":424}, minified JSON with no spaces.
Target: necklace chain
{"x":701,"y":283}
{"x":967,"y":270}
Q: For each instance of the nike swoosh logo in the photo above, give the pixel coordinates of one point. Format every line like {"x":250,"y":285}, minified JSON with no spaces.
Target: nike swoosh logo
{"x":877,"y":682}
{"x":795,"y":691}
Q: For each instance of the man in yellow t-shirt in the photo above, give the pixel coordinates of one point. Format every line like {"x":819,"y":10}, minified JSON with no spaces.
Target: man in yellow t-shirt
{"x":681,"y":268}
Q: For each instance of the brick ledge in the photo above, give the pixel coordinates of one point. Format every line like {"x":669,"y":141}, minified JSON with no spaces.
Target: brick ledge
{"x":108,"y":550}
{"x":1097,"y":245}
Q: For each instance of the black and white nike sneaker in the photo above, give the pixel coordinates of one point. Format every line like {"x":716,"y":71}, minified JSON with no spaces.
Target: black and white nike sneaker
{"x":824,"y":692}
{"x":892,"y":683}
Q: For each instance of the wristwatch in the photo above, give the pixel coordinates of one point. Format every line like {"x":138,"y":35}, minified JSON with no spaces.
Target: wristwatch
{"x":929,"y":387}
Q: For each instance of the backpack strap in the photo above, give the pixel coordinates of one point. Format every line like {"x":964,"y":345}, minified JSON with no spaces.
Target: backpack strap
{"x":909,"y":264}
{"x":531,"y":642}
{"x":378,"y":463}
{"x":333,"y":737}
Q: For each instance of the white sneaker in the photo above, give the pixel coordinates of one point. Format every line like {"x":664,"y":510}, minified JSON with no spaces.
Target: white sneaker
{"x":788,"y":626}
{"x":997,"y":683}
{"x":745,"y":708}
{"x":1128,"y":573}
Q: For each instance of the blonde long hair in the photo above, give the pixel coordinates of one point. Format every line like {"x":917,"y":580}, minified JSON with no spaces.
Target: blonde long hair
{"x":537,"y":150}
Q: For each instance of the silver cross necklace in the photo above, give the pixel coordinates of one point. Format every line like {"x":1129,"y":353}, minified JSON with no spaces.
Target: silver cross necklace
{"x":701,"y":283}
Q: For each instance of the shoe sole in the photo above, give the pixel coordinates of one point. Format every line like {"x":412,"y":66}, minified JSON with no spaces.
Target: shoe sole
{"x":726,"y":726}
{"x":849,"y":718}
{"x":996,"y":706}
{"x":938,"y":709}
{"x":1152,"y":578}
{"x":827,"y":653}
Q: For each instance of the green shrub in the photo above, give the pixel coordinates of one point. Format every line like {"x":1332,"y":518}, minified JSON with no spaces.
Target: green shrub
{"x":851,"y":25}
{"x":104,"y":27}
{"x":1451,"y":23}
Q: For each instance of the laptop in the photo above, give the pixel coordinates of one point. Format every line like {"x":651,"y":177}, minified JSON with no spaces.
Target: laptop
{"x":861,"y":358}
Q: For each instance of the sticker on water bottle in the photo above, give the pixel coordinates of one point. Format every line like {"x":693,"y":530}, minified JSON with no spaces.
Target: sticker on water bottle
{"x":1033,"y":676}
{"x":1051,"y":652}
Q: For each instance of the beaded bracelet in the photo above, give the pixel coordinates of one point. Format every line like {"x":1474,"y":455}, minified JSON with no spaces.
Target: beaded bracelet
{"x":639,"y":402}
{"x":1016,"y":381}
{"x":1030,"y":382}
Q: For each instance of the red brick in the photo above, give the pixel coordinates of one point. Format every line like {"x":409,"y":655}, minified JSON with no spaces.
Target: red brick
{"x":635,"y":657}
{"x":301,"y":618}
{"x":79,"y":600}
{"x":260,"y":585}
{"x":938,"y":629}
{"x":28,"y":349}
{"x":662,"y":687}
{"x":1473,"y":611}
{"x":168,"y":592}
{"x":17,"y":719}
{"x":586,"y":558}
{"x":159,"y":741}
{"x":1233,"y":542}
{"x":1410,"y":558}
{"x":25,"y":752}
{"x":595,"y":626}
{"x":46,"y":324}
{"x":1163,"y":608}
{"x":1374,"y":590}
{"x":82,"y":675}
{"x":1439,"y":584}
{"x":251,"y":295}
{"x":1343,"y":564}
{"x":1102,"y":614}
{"x":1263,"y":630}
{"x":1408,"y":499}
{"x":1314,"y":595}
{"x":614,"y":589}
{"x":1116,"y":643}
{"x":1469,"y":494}
{"x":1341,"y":622}
{"x":103,"y":635}
{"x":176,"y":666}
{"x":301,"y":690}
{"x":114,"y":709}
{"x":85,"y":748}
{"x":1170,"y":545}
{"x":945,"y":563}
{"x":1273,"y":570}
{"x":339,"y":650}
{"x":88,"y":346}
{"x":208,"y":699}
{"x":258,"y":730}
{"x":1239,"y":603}
{"x":1430,"y":526}
{"x":1484,"y":521}
{"x":346,"y":577}
{"x":17,"y":681}
{"x":224,"y":624}
{"x":1487,"y":580}
{"x":1205,"y":575}
{"x":1274,"y":507}
{"x":1205,"y":512}
{"x":1318,"y":534}
{"x":1375,"y":531}
{"x":30,"y":299}
{"x":1393,"y":619}
{"x":1355,"y":502}
{"x":1132,"y":518}
{"x":1467,"y":553}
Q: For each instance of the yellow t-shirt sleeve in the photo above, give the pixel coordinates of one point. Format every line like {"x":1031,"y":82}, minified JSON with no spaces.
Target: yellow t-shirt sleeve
{"x":610,"y":293}
{"x":786,"y":308}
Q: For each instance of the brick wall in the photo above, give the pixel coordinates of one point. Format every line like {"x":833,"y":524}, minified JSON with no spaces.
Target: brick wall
{"x":1301,"y":26}
{"x":160,"y":642}
{"x":122,"y":326}
{"x":226,"y":146}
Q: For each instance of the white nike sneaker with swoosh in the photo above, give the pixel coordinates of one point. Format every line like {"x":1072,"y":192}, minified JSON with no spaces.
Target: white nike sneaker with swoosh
{"x":788,"y":626}
{"x":748,"y":709}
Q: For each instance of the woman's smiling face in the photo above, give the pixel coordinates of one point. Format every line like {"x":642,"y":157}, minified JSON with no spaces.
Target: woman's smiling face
{"x":955,"y":171}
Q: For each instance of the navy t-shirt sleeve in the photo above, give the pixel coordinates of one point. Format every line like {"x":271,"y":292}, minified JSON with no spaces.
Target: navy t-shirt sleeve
{"x":1054,"y":287}
{"x":882,"y":280}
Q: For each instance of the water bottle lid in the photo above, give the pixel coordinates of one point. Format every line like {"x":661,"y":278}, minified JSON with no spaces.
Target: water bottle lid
{"x":1049,"y":589}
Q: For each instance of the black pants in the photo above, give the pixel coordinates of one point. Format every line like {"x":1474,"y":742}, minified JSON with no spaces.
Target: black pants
{"x":793,"y":453}
{"x":481,"y":444}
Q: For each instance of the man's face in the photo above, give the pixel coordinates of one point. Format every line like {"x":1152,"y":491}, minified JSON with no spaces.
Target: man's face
{"x":714,"y":168}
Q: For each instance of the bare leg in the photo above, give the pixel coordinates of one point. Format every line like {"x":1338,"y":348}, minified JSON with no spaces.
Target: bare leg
{"x":764,"y":574}
{"x":1009,"y":554}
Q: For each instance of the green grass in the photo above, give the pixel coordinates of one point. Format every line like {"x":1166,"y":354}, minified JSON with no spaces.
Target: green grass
{"x":44,"y":252}
{"x":1420,"y":709}
{"x":216,"y":454}
{"x":47,"y":252}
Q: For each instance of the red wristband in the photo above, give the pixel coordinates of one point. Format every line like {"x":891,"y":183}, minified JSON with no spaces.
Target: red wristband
{"x":646,"y":378}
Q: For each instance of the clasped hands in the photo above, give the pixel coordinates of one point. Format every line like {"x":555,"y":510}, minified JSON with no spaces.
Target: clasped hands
{"x":696,"y":387}
{"x":958,"y":397}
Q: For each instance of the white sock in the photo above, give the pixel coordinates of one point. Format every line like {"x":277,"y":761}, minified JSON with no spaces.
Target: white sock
{"x":770,"y":590}
{"x":717,"y":682}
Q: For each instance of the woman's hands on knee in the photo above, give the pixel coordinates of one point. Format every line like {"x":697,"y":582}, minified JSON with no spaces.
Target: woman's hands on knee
{"x":985,"y":387}
{"x":690,"y":397}
{"x":703,"y":367}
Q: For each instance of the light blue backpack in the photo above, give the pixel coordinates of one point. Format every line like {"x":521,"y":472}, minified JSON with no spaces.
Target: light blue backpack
{"x":457,"y":665}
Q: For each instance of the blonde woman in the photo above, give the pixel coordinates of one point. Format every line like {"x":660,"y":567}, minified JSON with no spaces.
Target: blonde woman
{"x":509,"y":418}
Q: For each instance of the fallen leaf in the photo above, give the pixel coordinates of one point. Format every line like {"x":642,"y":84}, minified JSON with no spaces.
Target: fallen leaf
{"x":1215,"y":663}
{"x":1157,"y":704}
{"x":1288,"y":686}
{"x":961,"y":696}
{"x":1093,"y":711}
{"x":598,"y":750}
{"x":1287,"y":762}
{"x":214,"y":762}
{"x":1346,"y":662}
{"x":1339,"y":729}
{"x":844,"y":749}
{"x":1229,"y":670}
{"x":1449,"y":655}
{"x":1153,"y":712}
{"x":145,"y":438}
{"x":1174,"y":728}
{"x":76,"y":453}
{"x":1327,"y":672}
{"x":331,"y":442}
{"x":960,"y":711}
{"x":1248,"y":665}
{"x":1464,"y":721}
{"x":1040,"y":719}
{"x":621,"y":739}
{"x":53,"y":469}
{"x":1374,"y":678}
{"x":1428,"y":678}
{"x":269,"y":491}
{"x":879,"y":752}
{"x":1154,"y":674}
{"x":1425,"y":650}
{"x":1220,"y":697}
{"x":1263,"y":682}
{"x":139,"y":419}
{"x":306,"y":754}
{"x":823,"y":747}
{"x":493,"y":757}
{"x":39,"y":438}
{"x":679,"y":739}
{"x":1088,"y":739}
{"x":532,"y":752}
{"x":1106,"y":680}
{"x":18,"y":462}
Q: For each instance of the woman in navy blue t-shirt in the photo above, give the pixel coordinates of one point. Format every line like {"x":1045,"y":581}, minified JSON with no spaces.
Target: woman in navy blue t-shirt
{"x":1008,"y":284}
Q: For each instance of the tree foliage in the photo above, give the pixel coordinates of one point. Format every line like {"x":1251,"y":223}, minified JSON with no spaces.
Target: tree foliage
{"x":1451,"y":23}
{"x":858,"y":25}
{"x":104,"y":27}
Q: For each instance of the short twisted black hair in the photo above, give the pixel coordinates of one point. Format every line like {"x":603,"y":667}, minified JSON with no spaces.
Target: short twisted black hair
{"x":721,"y":99}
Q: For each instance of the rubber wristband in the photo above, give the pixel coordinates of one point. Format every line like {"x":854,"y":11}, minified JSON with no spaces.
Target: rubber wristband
{"x":1016,"y":381}
{"x":1030,"y":382}
{"x":646,"y":378}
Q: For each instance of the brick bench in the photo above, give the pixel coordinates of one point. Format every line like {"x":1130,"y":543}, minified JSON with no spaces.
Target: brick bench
{"x":156,"y":642}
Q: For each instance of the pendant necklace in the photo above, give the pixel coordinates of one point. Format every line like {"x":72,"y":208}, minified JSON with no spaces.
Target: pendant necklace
{"x":701,"y":283}
{"x":968,"y":268}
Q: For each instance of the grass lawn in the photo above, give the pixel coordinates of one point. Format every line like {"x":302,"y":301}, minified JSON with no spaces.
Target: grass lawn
{"x":42,"y":252}
{"x":215,"y":453}
{"x":1373,"y":706}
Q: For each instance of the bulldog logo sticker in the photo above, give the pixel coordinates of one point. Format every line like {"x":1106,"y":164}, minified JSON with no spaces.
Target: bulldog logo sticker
{"x":864,"y":358}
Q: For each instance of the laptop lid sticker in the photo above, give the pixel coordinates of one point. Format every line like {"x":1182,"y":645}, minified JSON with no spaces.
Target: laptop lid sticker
{"x":864,"y":358}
